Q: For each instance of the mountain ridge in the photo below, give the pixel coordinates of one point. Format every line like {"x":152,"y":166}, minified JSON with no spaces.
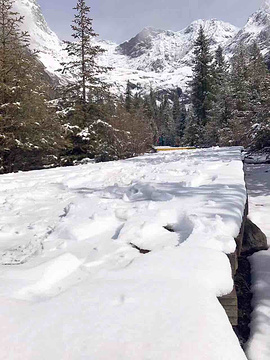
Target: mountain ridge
{"x":161,"y":59}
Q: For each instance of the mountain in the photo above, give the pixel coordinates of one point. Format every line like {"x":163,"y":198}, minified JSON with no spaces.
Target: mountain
{"x":154,"y":57}
{"x":161,"y":58}
{"x":256,"y":29}
{"x":42,"y":37}
{"x":159,"y":50}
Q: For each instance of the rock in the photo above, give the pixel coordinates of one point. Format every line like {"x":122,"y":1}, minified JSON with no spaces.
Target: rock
{"x":142,"y":251}
{"x":258,"y":156}
{"x":254,"y":238}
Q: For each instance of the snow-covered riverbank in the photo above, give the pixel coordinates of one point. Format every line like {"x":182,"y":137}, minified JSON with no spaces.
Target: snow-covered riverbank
{"x":258,"y":182}
{"x":84,"y":291}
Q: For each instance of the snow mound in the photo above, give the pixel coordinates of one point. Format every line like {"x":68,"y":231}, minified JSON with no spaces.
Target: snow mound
{"x":51,"y":273}
{"x":131,"y":259}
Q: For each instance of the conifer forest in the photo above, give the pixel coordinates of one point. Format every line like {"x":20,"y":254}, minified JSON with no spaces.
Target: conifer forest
{"x":46,"y":122}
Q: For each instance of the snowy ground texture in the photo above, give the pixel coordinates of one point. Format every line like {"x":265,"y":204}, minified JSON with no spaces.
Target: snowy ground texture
{"x":258,"y":181}
{"x":73,"y":284}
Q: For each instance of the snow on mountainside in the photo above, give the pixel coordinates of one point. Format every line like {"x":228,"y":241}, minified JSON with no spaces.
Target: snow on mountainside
{"x":256,"y":29}
{"x":159,"y":50}
{"x":162,"y":58}
{"x":43,"y":38}
{"x":158,"y":58}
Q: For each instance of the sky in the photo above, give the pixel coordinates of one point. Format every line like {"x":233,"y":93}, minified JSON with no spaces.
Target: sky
{"x":119,"y":20}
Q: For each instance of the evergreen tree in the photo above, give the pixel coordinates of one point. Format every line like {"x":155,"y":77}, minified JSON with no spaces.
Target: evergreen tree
{"x":259,"y":102}
{"x":151,"y":112}
{"x":176,"y":107}
{"x":82,"y":64}
{"x":138,"y":101}
{"x":28,"y":126}
{"x":193,"y":134}
{"x":221,"y":89}
{"x":219,"y":114}
{"x":239,"y":123}
{"x":167,"y":128}
{"x":240,"y":80}
{"x":249,"y":104}
{"x":179,"y":117}
{"x":12,"y":50}
{"x":150,"y":105}
{"x":258,"y":75}
{"x":180,"y":127}
{"x":128,"y":97}
{"x":201,"y":84}
{"x":153,"y":104}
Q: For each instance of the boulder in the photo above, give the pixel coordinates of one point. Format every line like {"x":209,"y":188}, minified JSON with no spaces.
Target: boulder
{"x":254,"y":239}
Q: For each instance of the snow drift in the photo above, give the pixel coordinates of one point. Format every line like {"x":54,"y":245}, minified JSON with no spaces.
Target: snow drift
{"x":77,"y":286}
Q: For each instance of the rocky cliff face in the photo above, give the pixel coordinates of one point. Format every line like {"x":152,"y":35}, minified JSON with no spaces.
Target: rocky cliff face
{"x":257,"y":29}
{"x":43,"y":38}
{"x":158,"y":58}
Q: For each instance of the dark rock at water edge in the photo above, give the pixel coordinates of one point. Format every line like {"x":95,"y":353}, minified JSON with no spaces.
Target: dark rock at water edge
{"x":258,"y":157}
{"x":254,"y":239}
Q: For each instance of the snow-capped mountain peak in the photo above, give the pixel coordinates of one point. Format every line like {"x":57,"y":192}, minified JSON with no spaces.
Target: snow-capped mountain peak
{"x":137,"y":45}
{"x":158,"y":58}
{"x":212,"y":27}
{"x":257,"y":29}
{"x":266,"y":5}
{"x":163,"y":58}
{"x":43,"y":38}
{"x":180,"y":42}
{"x":159,"y":50}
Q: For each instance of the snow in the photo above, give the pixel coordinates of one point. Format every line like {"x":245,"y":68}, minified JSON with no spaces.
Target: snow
{"x":266,"y":5}
{"x":166,"y":62}
{"x":258,"y":180}
{"x":173,"y":51}
{"x":42,"y":37}
{"x":255,"y":30}
{"x":77,"y":286}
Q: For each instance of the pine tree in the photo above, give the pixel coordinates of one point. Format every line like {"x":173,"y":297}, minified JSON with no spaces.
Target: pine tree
{"x":12,"y":48}
{"x":27,"y":125}
{"x":151,"y":112}
{"x":150,"y":105}
{"x":219,"y":114}
{"x":180,"y":127}
{"x":167,"y":128}
{"x":138,"y":101}
{"x":259,"y":83}
{"x":258,"y":76}
{"x":179,"y":117}
{"x":201,"y":84}
{"x":128,"y":97}
{"x":220,"y":70}
{"x":240,"y":79}
{"x":176,"y":107}
{"x":193,"y":134}
{"x":82,"y":65}
{"x":239,"y":123}
{"x":249,"y":121}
